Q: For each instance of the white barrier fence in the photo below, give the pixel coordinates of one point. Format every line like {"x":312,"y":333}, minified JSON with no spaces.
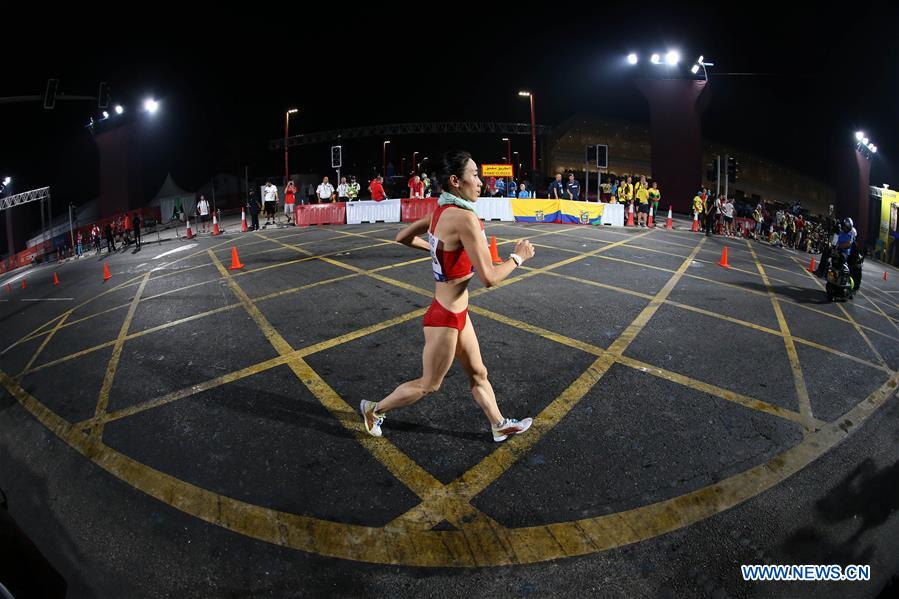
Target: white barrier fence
{"x":386,"y":211}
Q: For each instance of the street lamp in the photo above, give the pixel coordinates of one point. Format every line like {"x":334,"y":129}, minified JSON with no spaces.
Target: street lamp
{"x":384,"y":171}
{"x":515,"y":154}
{"x":672,"y":57}
{"x":151,"y":105}
{"x":655,"y":58}
{"x":533,"y":132}
{"x":508,"y":149}
{"x":859,"y":135}
{"x":119,"y":109}
{"x":414,"y":164}
{"x":286,"y":127}
{"x":632,"y":58}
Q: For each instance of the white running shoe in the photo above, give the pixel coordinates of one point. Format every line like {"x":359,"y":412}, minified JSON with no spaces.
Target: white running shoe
{"x":510,"y":426}
{"x":371,"y":418}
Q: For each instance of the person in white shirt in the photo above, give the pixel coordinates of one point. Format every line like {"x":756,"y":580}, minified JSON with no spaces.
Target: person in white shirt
{"x":324,"y":191}
{"x":203,"y":211}
{"x":270,"y":202}
{"x":342,"y":191}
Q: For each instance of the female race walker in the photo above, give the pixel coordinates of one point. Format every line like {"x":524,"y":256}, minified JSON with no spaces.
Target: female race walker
{"x":458,"y":248}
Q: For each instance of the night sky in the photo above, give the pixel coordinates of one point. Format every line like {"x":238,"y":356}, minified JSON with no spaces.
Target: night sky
{"x":224,"y":82}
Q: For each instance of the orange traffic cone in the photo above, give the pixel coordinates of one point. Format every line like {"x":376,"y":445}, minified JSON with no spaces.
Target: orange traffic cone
{"x":24,"y":286}
{"x":55,"y":279}
{"x":884,"y":275}
{"x":811,"y":267}
{"x":724,"y":259}
{"x":215,"y":225}
{"x":106,"y":275}
{"x":235,"y":260}
{"x":695,"y":227}
{"x":670,"y":223}
{"x":494,"y":252}
{"x":649,"y":220}
{"x":630,"y":215}
{"x":190,"y":234}
{"x":243,"y":221}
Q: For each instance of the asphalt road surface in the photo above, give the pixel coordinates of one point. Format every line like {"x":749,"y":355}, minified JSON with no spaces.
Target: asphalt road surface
{"x":183,"y":429}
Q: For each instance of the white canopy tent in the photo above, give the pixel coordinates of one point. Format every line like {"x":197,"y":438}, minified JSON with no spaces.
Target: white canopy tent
{"x":173,"y":201}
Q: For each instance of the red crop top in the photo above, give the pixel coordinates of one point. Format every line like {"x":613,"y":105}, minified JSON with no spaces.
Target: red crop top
{"x":448,"y":264}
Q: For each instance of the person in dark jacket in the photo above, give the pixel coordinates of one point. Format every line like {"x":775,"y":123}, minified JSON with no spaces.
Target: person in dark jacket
{"x":254,"y":207}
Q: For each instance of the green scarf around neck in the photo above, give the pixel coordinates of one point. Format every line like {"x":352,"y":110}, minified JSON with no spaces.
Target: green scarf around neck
{"x":448,"y":198}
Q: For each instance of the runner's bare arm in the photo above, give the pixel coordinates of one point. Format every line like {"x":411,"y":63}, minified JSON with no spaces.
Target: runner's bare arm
{"x":479,"y":254}
{"x":410,"y":235}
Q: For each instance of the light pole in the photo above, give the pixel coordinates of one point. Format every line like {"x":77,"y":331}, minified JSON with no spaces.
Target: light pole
{"x":533,"y":132}
{"x":286,"y":125}
{"x":414,"y":164}
{"x":384,"y":170}
{"x":515,"y":161}
{"x":508,"y":149}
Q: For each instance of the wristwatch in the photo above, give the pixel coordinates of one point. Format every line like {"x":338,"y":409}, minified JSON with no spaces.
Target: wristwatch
{"x":516,"y":258}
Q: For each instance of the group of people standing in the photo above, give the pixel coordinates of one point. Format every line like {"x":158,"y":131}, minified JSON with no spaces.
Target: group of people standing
{"x":125,"y":229}
{"x":641,"y":195}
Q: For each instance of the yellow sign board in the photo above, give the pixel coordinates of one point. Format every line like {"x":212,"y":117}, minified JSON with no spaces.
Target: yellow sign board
{"x":496,"y":170}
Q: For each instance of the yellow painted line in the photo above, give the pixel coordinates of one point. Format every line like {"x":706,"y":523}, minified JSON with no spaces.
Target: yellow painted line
{"x":731,"y":396}
{"x":880,"y":310}
{"x":683,"y":380}
{"x":47,"y":339}
{"x":406,"y":470}
{"x":479,"y":477}
{"x":252,"y":369}
{"x":162,"y":327}
{"x":805,"y":405}
{"x":394,"y":544}
{"x":851,"y":320}
{"x":200,"y":284}
{"x":103,"y":400}
{"x":737,"y":321}
{"x":883,"y":297}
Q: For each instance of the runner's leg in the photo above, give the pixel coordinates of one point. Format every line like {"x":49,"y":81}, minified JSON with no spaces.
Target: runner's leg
{"x":437,"y":357}
{"x":468,"y":352}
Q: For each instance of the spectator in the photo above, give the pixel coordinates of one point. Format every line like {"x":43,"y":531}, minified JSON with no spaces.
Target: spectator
{"x":290,"y":201}
{"x":427,"y":184}
{"x":253,"y":206}
{"x":491,"y":185}
{"x":511,"y":188}
{"x":270,"y":203}
{"x":324,"y":191}
{"x":310,"y":193}
{"x":641,"y":193}
{"x":800,"y":232}
{"x":416,"y":188}
{"x":127,"y":229}
{"x":376,"y":188}
{"x":573,"y":188}
{"x":556,"y":189}
{"x":343,"y":190}
{"x":759,"y":221}
{"x":613,"y":191}
{"x":500,"y":188}
{"x":135,"y":226}
{"x":95,"y":238}
{"x":523,"y":191}
{"x":352,"y":190}
{"x":655,"y":196}
{"x":698,"y":208}
{"x":727,"y":212}
{"x":110,"y":241}
{"x":626,"y":192}
{"x":708,"y":207}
